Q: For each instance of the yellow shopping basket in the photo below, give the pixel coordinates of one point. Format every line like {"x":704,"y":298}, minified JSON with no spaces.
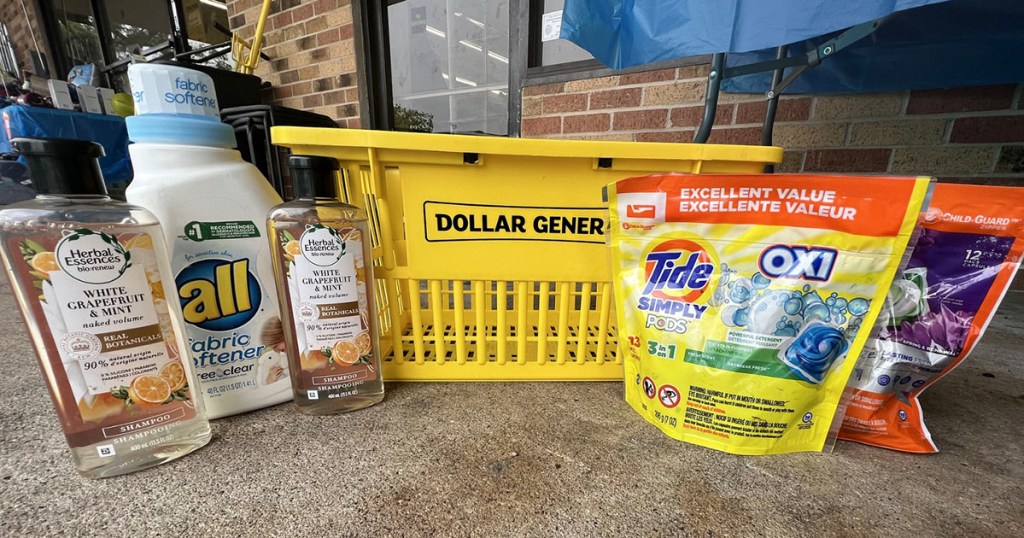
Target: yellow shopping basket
{"x":489,"y":253}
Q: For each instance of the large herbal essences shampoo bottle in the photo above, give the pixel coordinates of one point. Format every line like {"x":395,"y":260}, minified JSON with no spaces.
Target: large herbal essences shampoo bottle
{"x":325,"y":280}
{"x":213,"y":207}
{"x":92,"y":279}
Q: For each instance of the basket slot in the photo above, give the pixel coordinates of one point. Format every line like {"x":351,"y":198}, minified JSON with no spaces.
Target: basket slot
{"x":416,"y":326}
{"x":435,"y":306}
{"x":563,"y":323}
{"x":603,"y":331}
{"x":345,"y":187}
{"x":480,"y":308}
{"x":388,"y":298}
{"x":352,"y":192}
{"x":585,"y":299}
{"x":373,"y":214}
{"x":458,"y":303}
{"x":542,"y":320}
{"x":502,"y":307}
{"x":523,"y":309}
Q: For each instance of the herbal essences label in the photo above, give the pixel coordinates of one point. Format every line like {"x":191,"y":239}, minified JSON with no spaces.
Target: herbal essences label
{"x":224,"y":280}
{"x":104,"y":303}
{"x":740,"y":299}
{"x":326,"y":280}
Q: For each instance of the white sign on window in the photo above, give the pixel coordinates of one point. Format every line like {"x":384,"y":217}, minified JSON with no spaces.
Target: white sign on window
{"x":551,"y":26}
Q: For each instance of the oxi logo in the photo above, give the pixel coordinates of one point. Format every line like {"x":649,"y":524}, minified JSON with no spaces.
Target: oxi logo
{"x":677,"y":270}
{"x":218,"y":295}
{"x":797,"y":261}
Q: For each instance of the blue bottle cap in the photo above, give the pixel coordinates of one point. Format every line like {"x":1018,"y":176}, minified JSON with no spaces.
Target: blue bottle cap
{"x":179,"y":129}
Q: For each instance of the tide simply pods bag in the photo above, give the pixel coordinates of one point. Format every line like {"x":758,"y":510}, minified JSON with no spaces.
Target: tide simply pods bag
{"x":739,"y":299}
{"x":963,"y":262}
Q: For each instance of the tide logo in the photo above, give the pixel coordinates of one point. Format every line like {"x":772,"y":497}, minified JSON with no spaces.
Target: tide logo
{"x":798,"y":261}
{"x":218,"y":295}
{"x":677,"y":270}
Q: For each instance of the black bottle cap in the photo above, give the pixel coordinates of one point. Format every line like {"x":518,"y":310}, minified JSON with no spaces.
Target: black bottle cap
{"x":62,"y":165}
{"x":313,"y":177}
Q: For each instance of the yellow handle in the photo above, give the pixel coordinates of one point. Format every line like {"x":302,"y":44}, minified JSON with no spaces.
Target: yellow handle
{"x":246,"y":64}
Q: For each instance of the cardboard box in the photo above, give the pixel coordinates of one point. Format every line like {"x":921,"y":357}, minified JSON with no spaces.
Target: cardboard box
{"x":107,"y":100}
{"x":61,"y":94}
{"x":89,"y":99}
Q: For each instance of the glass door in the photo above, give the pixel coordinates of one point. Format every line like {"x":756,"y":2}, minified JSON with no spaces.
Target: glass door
{"x":450,"y":65}
{"x":79,"y":33}
{"x":206,"y":22}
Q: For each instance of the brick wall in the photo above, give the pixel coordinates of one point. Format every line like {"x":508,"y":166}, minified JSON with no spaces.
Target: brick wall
{"x":312,"y":51}
{"x":12,"y":15}
{"x":972,"y":134}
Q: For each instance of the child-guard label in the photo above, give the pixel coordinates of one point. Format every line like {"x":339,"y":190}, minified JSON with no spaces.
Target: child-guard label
{"x":224,"y":282}
{"x":103,"y":300}
{"x":741,"y":298}
{"x":327,"y":285}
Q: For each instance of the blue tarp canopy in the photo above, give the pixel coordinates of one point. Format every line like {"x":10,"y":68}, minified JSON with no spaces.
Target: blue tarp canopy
{"x":921,"y":44}
{"x":108,"y":131}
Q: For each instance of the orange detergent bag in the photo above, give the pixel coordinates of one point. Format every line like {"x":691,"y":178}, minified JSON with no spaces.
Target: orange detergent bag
{"x":966,"y":255}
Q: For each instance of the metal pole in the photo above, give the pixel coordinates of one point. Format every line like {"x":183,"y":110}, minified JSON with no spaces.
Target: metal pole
{"x":518,"y":39}
{"x":711,"y":99}
{"x":773,"y":105}
{"x":179,"y":31}
{"x":253,"y":59}
{"x":374,"y":73}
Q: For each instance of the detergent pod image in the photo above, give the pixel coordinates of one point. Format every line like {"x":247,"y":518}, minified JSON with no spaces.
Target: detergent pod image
{"x":961,"y":266}
{"x":740,"y":299}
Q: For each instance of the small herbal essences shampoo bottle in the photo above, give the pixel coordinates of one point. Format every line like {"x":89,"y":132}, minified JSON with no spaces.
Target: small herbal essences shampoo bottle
{"x":213,"y":207}
{"x":322,"y":262}
{"x":91,"y":277}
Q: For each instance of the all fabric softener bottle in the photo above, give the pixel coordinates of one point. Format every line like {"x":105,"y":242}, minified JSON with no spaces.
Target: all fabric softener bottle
{"x":322,"y":260}
{"x":213,"y":207}
{"x":92,"y":279}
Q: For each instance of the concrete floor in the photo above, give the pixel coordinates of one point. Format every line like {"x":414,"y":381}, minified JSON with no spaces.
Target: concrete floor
{"x":526,"y":460}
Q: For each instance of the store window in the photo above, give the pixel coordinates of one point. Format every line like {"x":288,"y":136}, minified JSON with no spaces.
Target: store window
{"x":135,"y":26}
{"x":449,"y":64}
{"x":206,"y":25}
{"x":109,"y":33}
{"x":78,"y":33}
{"x":553,"y":49}
{"x":456,"y":66}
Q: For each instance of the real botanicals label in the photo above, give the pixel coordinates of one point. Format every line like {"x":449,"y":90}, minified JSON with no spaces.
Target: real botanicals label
{"x":102,"y":297}
{"x":740,"y":299}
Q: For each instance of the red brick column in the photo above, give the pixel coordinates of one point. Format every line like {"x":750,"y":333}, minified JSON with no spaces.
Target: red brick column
{"x":965,"y":134}
{"x":312,"y":51}
{"x":21,"y":29}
